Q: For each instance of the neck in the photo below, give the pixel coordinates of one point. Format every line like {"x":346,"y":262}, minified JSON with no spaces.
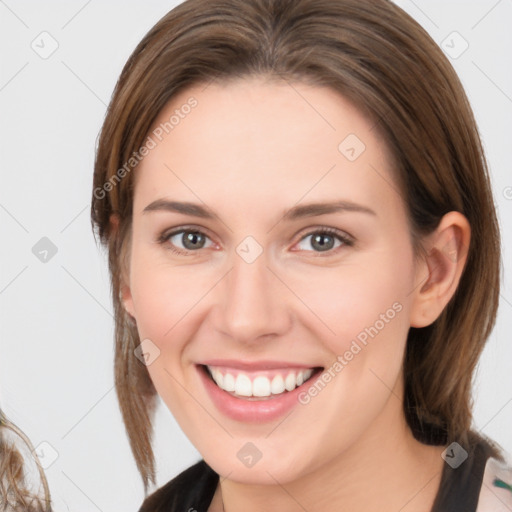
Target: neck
{"x":387,"y":469}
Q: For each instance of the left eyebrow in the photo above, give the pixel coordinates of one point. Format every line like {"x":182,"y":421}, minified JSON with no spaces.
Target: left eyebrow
{"x":297,"y":212}
{"x":313,"y":209}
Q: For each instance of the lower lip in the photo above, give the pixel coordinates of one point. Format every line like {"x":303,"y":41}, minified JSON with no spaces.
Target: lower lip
{"x":255,"y":411}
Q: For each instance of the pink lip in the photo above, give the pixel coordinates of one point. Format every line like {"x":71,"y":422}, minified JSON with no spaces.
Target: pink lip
{"x":255,"y":365}
{"x":253,"y":411}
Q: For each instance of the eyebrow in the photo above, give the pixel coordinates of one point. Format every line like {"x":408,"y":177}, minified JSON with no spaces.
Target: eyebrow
{"x":297,"y":212}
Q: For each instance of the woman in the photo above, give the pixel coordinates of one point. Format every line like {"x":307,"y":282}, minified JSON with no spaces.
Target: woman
{"x":304,"y":257}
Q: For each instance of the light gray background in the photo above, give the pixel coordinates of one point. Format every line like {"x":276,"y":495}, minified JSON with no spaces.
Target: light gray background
{"x":56,"y":323}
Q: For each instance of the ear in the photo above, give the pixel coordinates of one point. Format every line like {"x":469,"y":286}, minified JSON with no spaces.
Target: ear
{"x":438,"y":273}
{"x":125,"y":292}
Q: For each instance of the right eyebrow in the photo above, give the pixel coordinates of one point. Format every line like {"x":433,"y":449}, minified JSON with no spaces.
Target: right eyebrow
{"x":179,"y":207}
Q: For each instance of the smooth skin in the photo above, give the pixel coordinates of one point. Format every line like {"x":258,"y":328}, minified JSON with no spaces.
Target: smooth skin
{"x":251,"y":150}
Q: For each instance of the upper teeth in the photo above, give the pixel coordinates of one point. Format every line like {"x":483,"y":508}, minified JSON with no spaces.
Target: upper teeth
{"x":244,"y":384}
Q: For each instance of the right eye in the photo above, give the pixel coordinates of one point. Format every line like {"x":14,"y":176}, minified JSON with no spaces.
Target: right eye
{"x":191,"y":240}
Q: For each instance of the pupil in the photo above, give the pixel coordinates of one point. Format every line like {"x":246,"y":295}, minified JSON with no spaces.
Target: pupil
{"x":192,"y":239}
{"x":318,"y":239}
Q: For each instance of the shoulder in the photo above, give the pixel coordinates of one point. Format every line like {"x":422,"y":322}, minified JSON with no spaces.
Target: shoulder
{"x":496,"y":491}
{"x":192,"y":489}
{"x":476,"y":477}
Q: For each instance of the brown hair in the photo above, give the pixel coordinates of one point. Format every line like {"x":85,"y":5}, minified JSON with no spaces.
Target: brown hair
{"x":14,"y":489}
{"x":376,"y":56}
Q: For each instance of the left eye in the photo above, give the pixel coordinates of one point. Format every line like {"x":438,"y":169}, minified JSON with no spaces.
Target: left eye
{"x":323,"y":241}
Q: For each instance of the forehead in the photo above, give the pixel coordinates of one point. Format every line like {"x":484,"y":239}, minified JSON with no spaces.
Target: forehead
{"x":249,"y":140}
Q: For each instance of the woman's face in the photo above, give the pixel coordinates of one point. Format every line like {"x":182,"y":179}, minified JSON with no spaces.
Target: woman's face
{"x":259,"y":294}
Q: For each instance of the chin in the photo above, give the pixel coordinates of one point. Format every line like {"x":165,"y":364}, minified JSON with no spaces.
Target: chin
{"x":257,"y":467}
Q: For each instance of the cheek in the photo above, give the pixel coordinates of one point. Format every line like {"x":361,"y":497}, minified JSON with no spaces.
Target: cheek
{"x":165,"y":296}
{"x":164,"y":299}
{"x":168,"y":301}
{"x":358,"y":301}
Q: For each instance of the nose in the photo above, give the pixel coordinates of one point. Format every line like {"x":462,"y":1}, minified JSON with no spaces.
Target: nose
{"x":252,"y":303}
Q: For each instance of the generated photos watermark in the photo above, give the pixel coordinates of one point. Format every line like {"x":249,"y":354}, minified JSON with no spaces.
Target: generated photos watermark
{"x":152,"y":141}
{"x":342,"y":360}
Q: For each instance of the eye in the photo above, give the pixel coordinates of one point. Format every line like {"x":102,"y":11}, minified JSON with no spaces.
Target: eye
{"x":324,"y":240}
{"x":186,"y":240}
{"x":190,"y":239}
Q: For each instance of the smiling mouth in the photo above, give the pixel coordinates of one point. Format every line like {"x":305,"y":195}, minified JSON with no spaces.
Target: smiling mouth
{"x":254,"y":386}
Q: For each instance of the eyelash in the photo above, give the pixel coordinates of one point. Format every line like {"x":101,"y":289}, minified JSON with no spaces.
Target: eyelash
{"x":347,"y":241}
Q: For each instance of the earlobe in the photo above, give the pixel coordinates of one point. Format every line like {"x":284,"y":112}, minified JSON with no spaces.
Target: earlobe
{"x":126,"y":300}
{"x":125,"y":295}
{"x":439,"y":272}
{"x":114,"y":222}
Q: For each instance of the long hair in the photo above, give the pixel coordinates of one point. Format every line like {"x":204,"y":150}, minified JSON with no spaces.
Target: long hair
{"x":16,"y":455}
{"x":385,"y":63}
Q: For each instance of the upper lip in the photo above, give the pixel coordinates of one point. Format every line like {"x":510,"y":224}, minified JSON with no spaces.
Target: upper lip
{"x":256,"y":365}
